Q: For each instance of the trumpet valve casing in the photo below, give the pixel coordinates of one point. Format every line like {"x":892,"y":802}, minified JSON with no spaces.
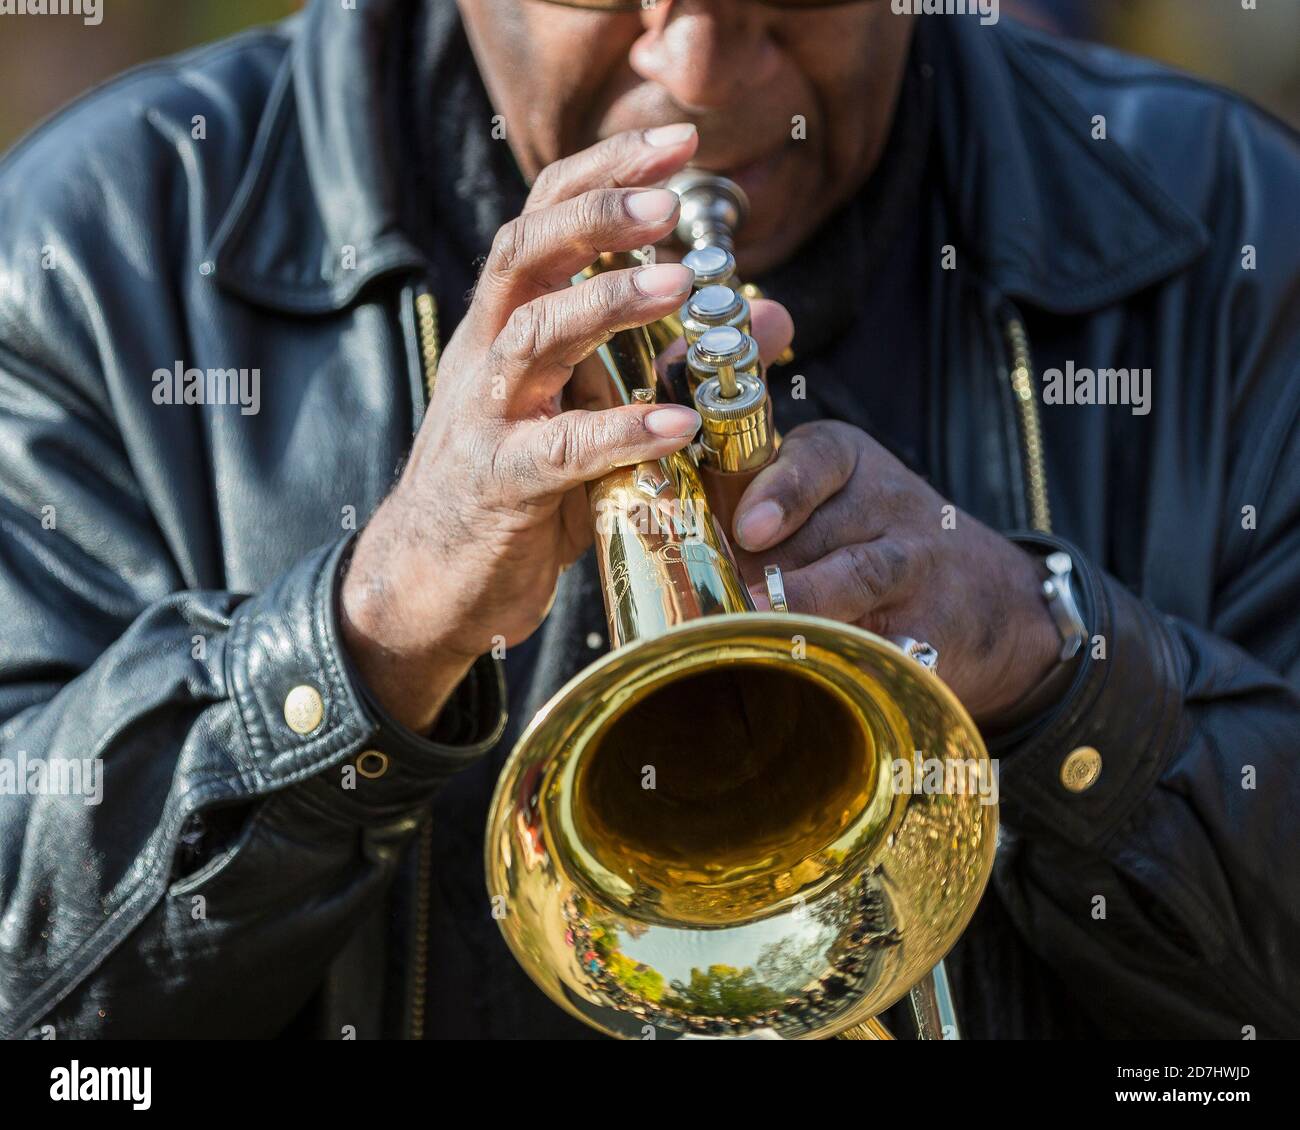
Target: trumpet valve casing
{"x":736,"y":431}
{"x":711,"y":307}
{"x":713,"y":266}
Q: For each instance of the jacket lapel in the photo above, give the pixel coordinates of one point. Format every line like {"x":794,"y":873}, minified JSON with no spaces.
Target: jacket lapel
{"x":316,"y":216}
{"x":1053,"y":217}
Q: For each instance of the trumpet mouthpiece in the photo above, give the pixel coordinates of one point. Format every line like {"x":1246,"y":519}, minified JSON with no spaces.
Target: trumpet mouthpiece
{"x":713,"y":208}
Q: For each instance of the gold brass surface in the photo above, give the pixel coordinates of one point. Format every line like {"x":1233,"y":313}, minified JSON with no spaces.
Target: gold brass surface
{"x":1080,"y":769}
{"x":703,"y":833}
{"x":736,"y":431}
{"x":772,"y":878}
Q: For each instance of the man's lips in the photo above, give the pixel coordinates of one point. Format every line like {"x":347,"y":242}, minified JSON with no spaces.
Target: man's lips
{"x":730,"y":166}
{"x":751,"y":175}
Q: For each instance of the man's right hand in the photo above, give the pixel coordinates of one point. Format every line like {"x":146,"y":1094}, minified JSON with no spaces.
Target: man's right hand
{"x":490,"y":508}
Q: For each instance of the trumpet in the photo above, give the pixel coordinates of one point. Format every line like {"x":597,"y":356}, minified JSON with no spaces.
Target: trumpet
{"x":703,"y":834}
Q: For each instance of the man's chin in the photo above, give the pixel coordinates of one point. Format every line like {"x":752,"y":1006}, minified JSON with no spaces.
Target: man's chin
{"x":779,"y":224}
{"x":759,"y":256}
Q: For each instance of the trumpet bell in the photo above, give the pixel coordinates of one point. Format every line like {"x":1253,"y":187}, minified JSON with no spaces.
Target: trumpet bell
{"x":705,"y":832}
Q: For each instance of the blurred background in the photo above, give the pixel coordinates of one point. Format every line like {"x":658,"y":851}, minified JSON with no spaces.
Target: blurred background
{"x":46,"y":61}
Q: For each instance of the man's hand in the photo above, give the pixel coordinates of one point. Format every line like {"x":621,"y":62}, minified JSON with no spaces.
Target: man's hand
{"x":491,"y":506}
{"x":861,"y":539}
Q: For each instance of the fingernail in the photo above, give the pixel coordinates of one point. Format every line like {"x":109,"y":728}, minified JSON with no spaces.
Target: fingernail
{"x":663,"y":136}
{"x":673,"y":422}
{"x":651,"y":207}
{"x":663,"y":279}
{"x":758,"y":525}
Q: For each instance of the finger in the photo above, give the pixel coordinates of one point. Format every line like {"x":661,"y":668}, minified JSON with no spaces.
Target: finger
{"x":841,"y":521}
{"x":814,"y":462}
{"x":675,"y":352}
{"x":576,"y":447}
{"x":575,"y":520}
{"x":851,"y":583}
{"x":544,"y":339}
{"x":626,"y":160}
{"x":540,"y":252}
{"x":772,"y":328}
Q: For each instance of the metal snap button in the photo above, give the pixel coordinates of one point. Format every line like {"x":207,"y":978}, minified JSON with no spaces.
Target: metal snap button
{"x":1080,"y":769}
{"x":304,"y":709}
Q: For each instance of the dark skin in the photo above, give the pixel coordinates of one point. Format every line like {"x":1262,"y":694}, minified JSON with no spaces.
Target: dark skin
{"x":467,"y":550}
{"x":740,"y":72}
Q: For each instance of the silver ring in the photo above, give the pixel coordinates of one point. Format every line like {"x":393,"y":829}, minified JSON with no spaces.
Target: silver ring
{"x":775,"y":588}
{"x":923,"y":653}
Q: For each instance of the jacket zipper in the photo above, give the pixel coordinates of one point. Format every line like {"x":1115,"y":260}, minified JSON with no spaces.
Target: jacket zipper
{"x":426,"y":321}
{"x":426,"y":324}
{"x":420,"y":957}
{"x":1031,"y":431}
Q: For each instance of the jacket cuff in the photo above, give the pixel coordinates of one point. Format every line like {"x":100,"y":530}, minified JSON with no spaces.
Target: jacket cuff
{"x":285,"y":642}
{"x":1125,"y":703}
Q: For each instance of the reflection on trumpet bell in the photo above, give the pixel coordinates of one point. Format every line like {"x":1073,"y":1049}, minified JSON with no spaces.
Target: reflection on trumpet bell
{"x":727,"y":831}
{"x":701,"y":832}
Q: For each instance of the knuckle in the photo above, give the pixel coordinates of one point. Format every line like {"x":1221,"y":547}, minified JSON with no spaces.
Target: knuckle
{"x":525,"y":332}
{"x":622,"y":155}
{"x":508,"y":247}
{"x":593,"y":211}
{"x":894,"y":495}
{"x":819,"y":538}
{"x":795,"y":489}
{"x":813,"y":598}
{"x":605,"y":303}
{"x":819,"y":462}
{"x":493,"y":470}
{"x":865,"y":573}
{"x":838,"y":445}
{"x":590,"y":314}
{"x":564,"y":442}
{"x":557,"y":445}
{"x":620,"y":429}
{"x":840,"y":432}
{"x":877,"y":569}
{"x":932,"y":564}
{"x":897,"y":562}
{"x":548,"y":180}
{"x":800,"y":432}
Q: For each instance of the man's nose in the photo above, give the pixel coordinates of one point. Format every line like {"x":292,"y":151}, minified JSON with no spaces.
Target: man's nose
{"x":705,"y":53}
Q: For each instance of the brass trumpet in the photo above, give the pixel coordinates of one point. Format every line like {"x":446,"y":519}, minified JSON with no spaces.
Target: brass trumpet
{"x":702,"y":834}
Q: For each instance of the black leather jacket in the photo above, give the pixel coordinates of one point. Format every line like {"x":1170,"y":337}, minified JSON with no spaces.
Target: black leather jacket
{"x":167,"y":572}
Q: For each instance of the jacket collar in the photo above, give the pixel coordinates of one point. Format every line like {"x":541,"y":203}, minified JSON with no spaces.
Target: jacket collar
{"x":1055,"y":218}
{"x":316,"y":216}
{"x":1052,"y":217}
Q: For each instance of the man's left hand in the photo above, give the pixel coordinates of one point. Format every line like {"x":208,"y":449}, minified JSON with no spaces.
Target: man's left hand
{"x":861,"y":539}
